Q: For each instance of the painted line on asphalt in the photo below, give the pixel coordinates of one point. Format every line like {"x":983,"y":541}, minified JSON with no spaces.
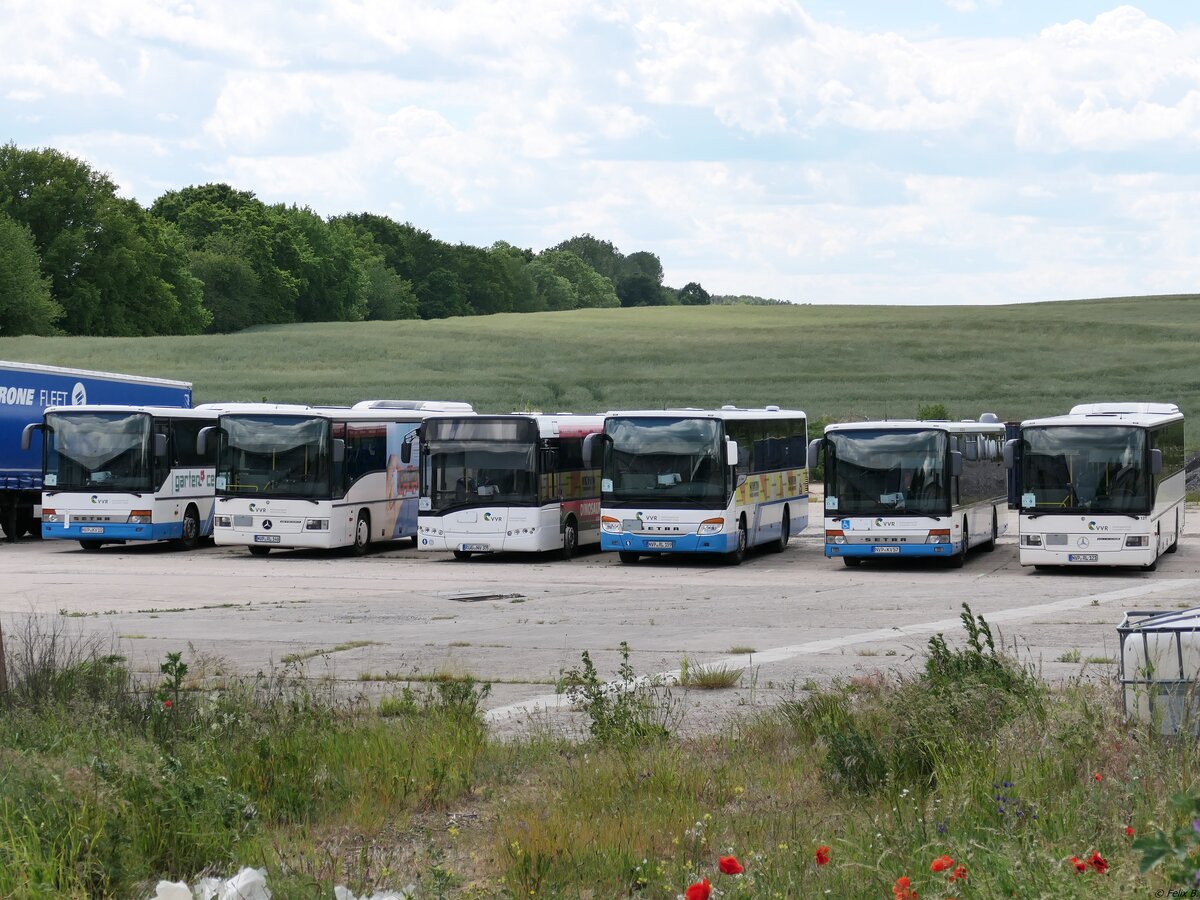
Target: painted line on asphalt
{"x":551,"y":702}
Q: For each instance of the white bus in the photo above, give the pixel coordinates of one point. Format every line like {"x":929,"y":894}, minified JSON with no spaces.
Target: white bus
{"x":702,"y":481}
{"x":493,"y":484}
{"x":317,"y":477}
{"x":115,"y":474}
{"x":912,"y":488}
{"x":1101,"y":486}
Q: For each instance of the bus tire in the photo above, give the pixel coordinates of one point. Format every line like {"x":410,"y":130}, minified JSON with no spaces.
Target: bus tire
{"x":1151,"y":567}
{"x":958,"y":559}
{"x":90,"y":546}
{"x":189,"y":538}
{"x":990,"y":545}
{"x":462,"y":555}
{"x":1042,"y":567}
{"x":256,"y":550}
{"x":785,"y":533}
{"x":1175,"y":543}
{"x":362,"y":534}
{"x":851,"y":562}
{"x":735,"y":557}
{"x":570,"y":538}
{"x":628,"y":557}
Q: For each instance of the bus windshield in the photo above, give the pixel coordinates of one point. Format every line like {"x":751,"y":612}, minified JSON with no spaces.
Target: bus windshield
{"x":664,"y":461}
{"x":99,"y":451}
{"x":888,"y":471}
{"x":479,"y":463}
{"x":1091,"y":468}
{"x":274,"y":456}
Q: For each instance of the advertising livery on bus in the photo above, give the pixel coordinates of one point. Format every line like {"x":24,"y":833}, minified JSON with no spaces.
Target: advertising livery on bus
{"x":912,"y":488}
{"x":318,"y":476}
{"x":115,"y":474}
{"x":702,"y":481}
{"x":494,"y":484}
{"x":1101,"y":486}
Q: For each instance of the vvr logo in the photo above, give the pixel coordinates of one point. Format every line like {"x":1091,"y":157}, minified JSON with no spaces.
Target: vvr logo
{"x":97,"y":499}
{"x":487,"y":517}
{"x":879,"y":523}
{"x":1092,"y":526}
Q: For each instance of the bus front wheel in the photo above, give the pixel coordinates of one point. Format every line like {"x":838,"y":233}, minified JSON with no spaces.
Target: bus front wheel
{"x":460,"y":555}
{"x":628,"y":556}
{"x":362,"y":535}
{"x":190,"y":536}
{"x":90,"y":546}
{"x":851,"y":561}
{"x":735,"y":557}
{"x":570,"y":539}
{"x":256,"y":550}
{"x":990,"y":545}
{"x":956,"y":561}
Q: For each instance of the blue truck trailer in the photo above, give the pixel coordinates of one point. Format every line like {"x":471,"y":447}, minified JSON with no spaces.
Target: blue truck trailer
{"x":26,"y":389}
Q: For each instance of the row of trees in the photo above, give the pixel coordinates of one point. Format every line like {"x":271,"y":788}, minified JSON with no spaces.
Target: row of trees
{"x":76,"y":258}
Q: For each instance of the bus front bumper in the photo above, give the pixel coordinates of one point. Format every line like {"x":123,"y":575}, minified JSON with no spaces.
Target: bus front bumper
{"x":892,"y":551}
{"x":684,"y":543}
{"x":112,"y":532}
{"x":530,"y":540}
{"x":1124,"y":556}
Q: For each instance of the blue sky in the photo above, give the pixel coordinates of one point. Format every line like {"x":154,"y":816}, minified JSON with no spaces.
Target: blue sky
{"x":932,"y":151}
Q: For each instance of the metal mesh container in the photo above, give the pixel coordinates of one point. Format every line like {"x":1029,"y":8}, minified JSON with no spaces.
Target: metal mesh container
{"x":1160,"y":667}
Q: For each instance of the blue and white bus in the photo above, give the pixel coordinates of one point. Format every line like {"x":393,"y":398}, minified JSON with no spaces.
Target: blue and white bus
{"x":1101,"y":486}
{"x":702,"y":481}
{"x":318,"y":477}
{"x":912,"y":488}
{"x":116,"y":474}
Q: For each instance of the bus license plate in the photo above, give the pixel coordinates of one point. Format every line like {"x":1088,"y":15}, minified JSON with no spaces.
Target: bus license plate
{"x":1083,"y":557}
{"x":659,"y":545}
{"x":91,"y":529}
{"x":885,"y":549}
{"x":476,"y":548}
{"x":266,"y":539}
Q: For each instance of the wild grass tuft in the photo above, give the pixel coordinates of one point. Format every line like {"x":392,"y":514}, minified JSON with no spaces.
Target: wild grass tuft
{"x":710,"y":677}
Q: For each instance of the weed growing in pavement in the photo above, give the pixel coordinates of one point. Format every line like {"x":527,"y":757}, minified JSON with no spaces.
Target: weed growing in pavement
{"x":633,"y":709}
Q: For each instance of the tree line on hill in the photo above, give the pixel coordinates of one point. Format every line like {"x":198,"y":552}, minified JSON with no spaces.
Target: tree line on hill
{"x":77,"y":259}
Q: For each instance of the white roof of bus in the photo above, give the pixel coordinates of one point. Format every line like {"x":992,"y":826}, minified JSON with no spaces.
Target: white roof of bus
{"x":89,"y":373}
{"x":725,"y":412}
{"x":965,"y":426}
{"x":367,"y":410}
{"x":205,"y":411}
{"x":548,"y":424}
{"x":1138,"y":415}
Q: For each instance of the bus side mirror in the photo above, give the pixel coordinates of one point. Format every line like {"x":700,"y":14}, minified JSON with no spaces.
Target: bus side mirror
{"x":590,"y":443}
{"x":160,"y":446}
{"x":731,"y":453}
{"x":339,"y":451}
{"x":27,"y":434}
{"x":1010,"y":453}
{"x":814,"y":452}
{"x":202,"y":439}
{"x":406,"y":447}
{"x":1155,"y":462}
{"x":955,"y":462}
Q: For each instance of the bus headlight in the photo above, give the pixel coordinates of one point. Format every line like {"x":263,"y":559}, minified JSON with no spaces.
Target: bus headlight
{"x":140,"y":517}
{"x":316,"y":524}
{"x":1137,"y":540}
{"x":222,"y":521}
{"x":1031,"y":540}
{"x":833,"y":536}
{"x":610,"y":525}
{"x":938,"y":536}
{"x":49,"y":515}
{"x":711,"y":526}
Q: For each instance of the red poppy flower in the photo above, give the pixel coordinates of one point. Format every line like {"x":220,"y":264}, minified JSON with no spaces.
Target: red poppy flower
{"x":166,"y":704}
{"x":1128,"y":831}
{"x":959,"y":874}
{"x":1098,"y":862}
{"x":729,"y":865}
{"x":822,"y":855}
{"x":902,"y":889}
{"x":1097,"y":777}
{"x":701,"y":890}
{"x":1079,"y":864}
{"x":941,"y":864}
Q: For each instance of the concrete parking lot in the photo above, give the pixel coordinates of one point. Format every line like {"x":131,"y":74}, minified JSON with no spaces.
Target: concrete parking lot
{"x":399,"y":613}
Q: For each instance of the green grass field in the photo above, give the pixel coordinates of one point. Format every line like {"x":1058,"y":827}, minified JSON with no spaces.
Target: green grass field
{"x":832,"y":361}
